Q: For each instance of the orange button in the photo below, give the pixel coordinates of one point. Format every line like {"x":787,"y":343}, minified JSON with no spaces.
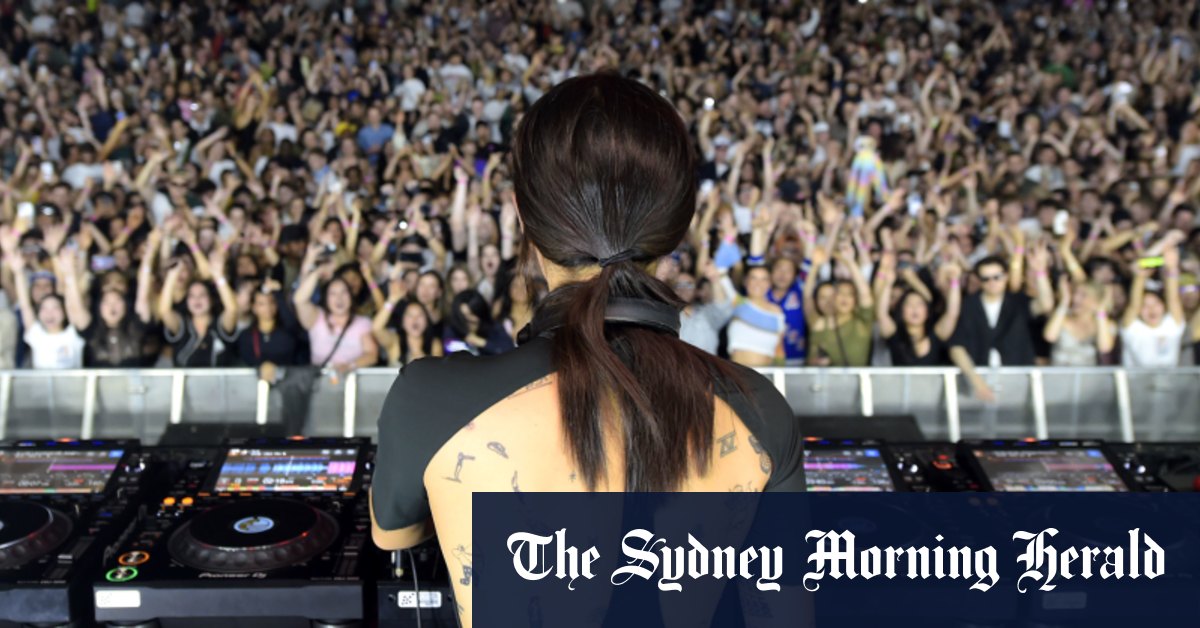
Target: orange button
{"x":187,"y":501}
{"x":168,"y":501}
{"x":944,"y":465}
{"x":133,"y":558}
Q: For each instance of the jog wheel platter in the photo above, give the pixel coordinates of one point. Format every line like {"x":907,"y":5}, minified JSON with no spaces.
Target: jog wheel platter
{"x":254,"y":535}
{"x":29,"y":531}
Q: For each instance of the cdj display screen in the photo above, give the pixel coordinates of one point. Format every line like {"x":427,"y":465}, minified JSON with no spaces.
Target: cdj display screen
{"x":32,"y":471}
{"x":286,"y":469}
{"x":847,"y":469}
{"x":1049,"y":470}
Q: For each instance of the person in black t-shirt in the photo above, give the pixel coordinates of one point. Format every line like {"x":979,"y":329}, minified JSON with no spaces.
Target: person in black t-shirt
{"x":115,"y":336}
{"x":274,"y":338}
{"x":912,"y":333}
{"x":201,"y":335}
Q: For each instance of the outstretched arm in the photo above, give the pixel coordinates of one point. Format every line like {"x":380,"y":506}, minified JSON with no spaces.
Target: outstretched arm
{"x":949,"y":320}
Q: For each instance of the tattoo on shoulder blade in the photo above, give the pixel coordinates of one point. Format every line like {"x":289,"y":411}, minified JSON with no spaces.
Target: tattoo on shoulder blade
{"x":728,"y":443}
{"x":463,"y":555}
{"x":459,"y":466}
{"x":498,"y":448}
{"x":764,"y":461}
{"x":534,"y":385}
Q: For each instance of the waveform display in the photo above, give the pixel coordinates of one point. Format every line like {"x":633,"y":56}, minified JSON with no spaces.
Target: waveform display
{"x":850,"y":469}
{"x":51,"y":471}
{"x":253,"y":470}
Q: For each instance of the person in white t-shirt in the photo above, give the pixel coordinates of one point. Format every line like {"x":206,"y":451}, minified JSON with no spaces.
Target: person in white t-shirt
{"x":53,"y":343}
{"x":1154,"y":323}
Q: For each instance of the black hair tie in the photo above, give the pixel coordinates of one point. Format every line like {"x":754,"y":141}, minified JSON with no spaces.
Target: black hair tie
{"x":623,"y":256}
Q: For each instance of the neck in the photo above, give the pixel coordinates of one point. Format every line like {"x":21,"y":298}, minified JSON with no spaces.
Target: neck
{"x":339,"y":319}
{"x":266,"y":326}
{"x":916,"y":332}
{"x":992,"y":298}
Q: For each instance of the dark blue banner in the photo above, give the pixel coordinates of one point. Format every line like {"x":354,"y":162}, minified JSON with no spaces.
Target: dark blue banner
{"x":982,"y":560}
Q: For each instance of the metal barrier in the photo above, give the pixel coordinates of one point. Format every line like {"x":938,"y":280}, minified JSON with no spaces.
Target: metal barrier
{"x":1109,"y":403}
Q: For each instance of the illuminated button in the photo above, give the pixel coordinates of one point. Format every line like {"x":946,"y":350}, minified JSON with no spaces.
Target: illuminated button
{"x":187,"y":501}
{"x":121,"y":574}
{"x":133,"y":558}
{"x":943,"y":465}
{"x":168,"y":501}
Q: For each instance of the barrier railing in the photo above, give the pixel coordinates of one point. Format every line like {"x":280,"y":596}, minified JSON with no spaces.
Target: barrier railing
{"x":1110,"y":403}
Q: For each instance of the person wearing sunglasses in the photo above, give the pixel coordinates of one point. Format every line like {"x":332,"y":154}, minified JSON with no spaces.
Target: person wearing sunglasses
{"x":995,"y":326}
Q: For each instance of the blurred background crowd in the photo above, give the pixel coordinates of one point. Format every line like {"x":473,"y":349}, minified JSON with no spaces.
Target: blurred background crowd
{"x":325,"y":182}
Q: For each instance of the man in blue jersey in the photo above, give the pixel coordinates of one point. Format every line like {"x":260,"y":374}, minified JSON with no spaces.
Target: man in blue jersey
{"x":787,"y":291}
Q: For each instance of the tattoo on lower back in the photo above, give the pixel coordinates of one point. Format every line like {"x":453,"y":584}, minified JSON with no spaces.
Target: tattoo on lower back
{"x":459,"y":466}
{"x":463,"y":555}
{"x":728,"y":443}
{"x":498,"y":448}
{"x":764,"y":461}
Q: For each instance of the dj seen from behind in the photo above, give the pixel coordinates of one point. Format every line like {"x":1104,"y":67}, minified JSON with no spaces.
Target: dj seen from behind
{"x":601,"y":395}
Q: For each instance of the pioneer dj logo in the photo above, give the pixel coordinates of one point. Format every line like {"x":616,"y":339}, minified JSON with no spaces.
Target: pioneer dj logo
{"x":253,"y":525}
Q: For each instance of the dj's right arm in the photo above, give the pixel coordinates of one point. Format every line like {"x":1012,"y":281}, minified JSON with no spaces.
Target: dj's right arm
{"x":402,"y":538}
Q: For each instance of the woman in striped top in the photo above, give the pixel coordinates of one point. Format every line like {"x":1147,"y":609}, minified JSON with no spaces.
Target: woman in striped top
{"x":756,"y":331}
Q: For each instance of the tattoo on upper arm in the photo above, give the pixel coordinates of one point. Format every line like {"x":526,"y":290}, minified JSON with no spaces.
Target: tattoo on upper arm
{"x":463,"y":555}
{"x":728,"y":443}
{"x":498,"y":448}
{"x":459,"y":466}
{"x":764,"y":461}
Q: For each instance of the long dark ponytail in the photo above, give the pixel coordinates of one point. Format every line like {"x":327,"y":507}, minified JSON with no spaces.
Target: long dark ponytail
{"x":604,"y":170}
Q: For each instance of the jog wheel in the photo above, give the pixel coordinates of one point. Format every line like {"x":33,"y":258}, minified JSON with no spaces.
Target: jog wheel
{"x":253,"y":535}
{"x":29,"y":531}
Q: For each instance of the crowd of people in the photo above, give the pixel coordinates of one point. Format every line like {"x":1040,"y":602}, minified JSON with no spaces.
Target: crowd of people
{"x":907,"y":182}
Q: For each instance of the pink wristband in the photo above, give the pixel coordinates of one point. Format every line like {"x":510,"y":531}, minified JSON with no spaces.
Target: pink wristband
{"x":389,"y":306}
{"x":954,"y":284}
{"x":1020,"y":250}
{"x":1039,"y":274}
{"x":1101,"y":314}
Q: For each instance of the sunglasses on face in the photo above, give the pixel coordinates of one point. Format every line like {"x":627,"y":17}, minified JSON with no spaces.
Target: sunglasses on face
{"x":991,"y":278}
{"x":685,"y":285}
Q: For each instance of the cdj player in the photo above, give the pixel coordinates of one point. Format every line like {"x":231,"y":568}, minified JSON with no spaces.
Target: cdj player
{"x":63,"y":505}
{"x":1031,"y":465}
{"x":261,"y":532}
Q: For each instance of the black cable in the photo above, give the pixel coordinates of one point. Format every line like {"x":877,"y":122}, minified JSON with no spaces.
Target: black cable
{"x":416,"y":585}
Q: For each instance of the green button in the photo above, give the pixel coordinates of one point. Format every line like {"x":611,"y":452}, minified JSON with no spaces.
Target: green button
{"x":121,"y":574}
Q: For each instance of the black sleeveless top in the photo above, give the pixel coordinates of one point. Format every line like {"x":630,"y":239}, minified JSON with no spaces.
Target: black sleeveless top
{"x":433,"y":398}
